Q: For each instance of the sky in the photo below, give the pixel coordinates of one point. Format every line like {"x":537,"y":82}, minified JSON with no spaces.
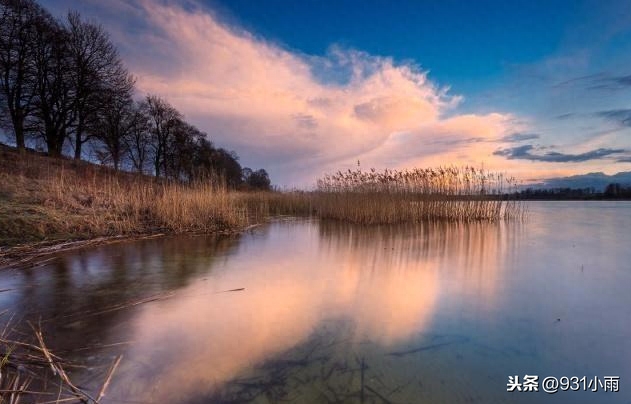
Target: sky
{"x":534,"y":89}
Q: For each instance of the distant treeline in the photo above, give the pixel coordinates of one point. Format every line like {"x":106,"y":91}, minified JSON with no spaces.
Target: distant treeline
{"x":612,"y":191}
{"x":64,"y":87}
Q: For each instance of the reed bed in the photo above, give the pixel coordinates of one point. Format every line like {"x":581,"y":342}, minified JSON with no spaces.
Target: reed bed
{"x":262,"y":205}
{"x":113,"y":206}
{"x":205,"y":207}
{"x":57,"y":199}
{"x":53,"y":199}
{"x":31,"y":373}
{"x":392,"y":196}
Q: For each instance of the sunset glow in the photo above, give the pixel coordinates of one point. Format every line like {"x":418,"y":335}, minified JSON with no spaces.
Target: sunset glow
{"x":301,"y":114}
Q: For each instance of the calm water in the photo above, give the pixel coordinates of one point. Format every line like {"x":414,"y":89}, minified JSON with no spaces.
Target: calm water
{"x":331,"y":312}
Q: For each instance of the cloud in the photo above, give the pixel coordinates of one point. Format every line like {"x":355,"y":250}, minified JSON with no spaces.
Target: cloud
{"x":621,"y":116}
{"x":588,"y":78}
{"x":462,"y":139}
{"x":299,"y":115}
{"x":566,"y":116}
{"x":520,"y":137}
{"x":457,"y":141}
{"x":305,"y":121}
{"x":525,"y":153}
{"x":622,"y":80}
{"x":612,"y":83}
{"x":598,"y":81}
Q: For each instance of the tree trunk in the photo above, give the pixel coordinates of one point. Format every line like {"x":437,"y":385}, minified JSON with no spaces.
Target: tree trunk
{"x":156,"y":166}
{"x":78,"y":139}
{"x":53,"y":150}
{"x":19,"y":135}
{"x":17,"y":119}
{"x":54,"y":141}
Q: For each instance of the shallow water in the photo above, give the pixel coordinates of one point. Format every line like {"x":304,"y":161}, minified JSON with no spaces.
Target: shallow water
{"x":331,"y":312}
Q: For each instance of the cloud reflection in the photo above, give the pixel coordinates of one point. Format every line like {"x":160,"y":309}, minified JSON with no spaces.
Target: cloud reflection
{"x":298,"y":277}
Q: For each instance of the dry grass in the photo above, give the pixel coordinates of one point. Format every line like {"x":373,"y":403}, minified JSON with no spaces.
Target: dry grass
{"x":265,"y":204}
{"x":31,"y":373}
{"x":52,"y":199}
{"x":452,"y":194}
{"x":58,"y":199}
{"x":143,"y":205}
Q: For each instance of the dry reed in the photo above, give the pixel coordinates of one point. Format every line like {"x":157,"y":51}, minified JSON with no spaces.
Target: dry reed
{"x":57,"y":199}
{"x":31,"y":372}
{"x":109,"y":205}
{"x":45,"y":199}
{"x":391,"y":196}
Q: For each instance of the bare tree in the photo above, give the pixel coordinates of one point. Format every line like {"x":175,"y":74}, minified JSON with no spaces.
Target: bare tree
{"x":17,"y":46}
{"x":54,"y":89}
{"x":216,"y":164}
{"x":226,"y":165}
{"x":114,"y":122}
{"x":65,"y":80}
{"x":182,"y":149}
{"x":203,"y":159}
{"x":163,"y":120}
{"x":138,"y":139}
{"x":96,"y":68}
{"x":258,"y":179}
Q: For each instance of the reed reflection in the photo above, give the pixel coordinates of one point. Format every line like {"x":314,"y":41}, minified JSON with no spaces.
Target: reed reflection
{"x":77,"y":290}
{"x":381,"y":285}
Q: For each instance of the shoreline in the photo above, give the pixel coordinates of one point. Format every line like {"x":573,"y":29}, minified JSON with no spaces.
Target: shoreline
{"x":50,"y":205}
{"x":30,"y":255}
{"x":35,"y":254}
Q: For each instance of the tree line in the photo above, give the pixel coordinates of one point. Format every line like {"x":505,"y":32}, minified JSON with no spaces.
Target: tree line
{"x":63,"y":84}
{"x":611,"y":191}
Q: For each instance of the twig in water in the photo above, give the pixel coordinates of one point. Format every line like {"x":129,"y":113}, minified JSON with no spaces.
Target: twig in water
{"x":373,"y":391}
{"x":428,"y":347}
{"x":58,"y":370}
{"x":361,"y":392}
{"x":109,"y":377}
{"x":231,"y":290}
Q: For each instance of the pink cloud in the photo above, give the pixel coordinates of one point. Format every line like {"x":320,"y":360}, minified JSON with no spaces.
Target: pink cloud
{"x":270,"y":104}
{"x":301,"y":115}
{"x":296,"y":115}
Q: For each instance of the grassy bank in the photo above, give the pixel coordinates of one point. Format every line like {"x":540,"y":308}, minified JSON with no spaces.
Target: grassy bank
{"x":46,"y":199}
{"x":57,"y":199}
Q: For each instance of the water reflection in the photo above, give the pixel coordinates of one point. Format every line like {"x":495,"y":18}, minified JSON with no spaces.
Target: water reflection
{"x":361,"y":285}
{"x":64,"y":294}
{"x":331,"y":312}
{"x":377,"y":284}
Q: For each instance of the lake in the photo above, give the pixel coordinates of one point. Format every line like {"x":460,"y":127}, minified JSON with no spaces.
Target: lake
{"x":303,"y":311}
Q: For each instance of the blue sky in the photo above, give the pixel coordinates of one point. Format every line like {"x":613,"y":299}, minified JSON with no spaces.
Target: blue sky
{"x":467,"y":44}
{"x":470,"y":45}
{"x":534,"y":88}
